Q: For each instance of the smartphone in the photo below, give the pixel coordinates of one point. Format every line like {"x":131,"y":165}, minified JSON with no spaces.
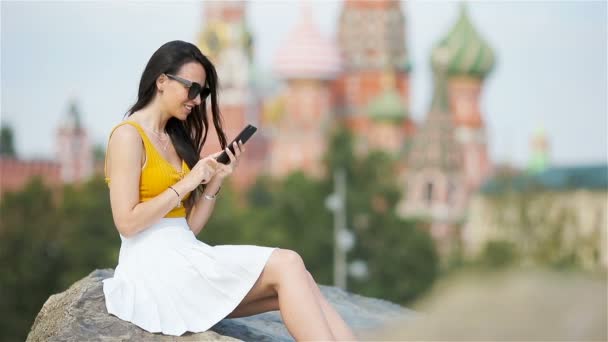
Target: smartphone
{"x":245,"y":134}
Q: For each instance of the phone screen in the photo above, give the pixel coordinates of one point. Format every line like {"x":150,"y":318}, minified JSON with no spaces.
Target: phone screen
{"x":245,"y":134}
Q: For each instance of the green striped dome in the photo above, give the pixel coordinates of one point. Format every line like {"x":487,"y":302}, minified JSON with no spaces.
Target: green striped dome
{"x":387,"y":106}
{"x":463,"y":51}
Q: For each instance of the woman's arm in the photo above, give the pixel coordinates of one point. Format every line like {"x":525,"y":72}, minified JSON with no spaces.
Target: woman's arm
{"x":124,"y":170}
{"x":201,"y":211}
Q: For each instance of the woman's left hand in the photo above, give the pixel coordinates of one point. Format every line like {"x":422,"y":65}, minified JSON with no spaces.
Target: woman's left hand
{"x":224,"y":171}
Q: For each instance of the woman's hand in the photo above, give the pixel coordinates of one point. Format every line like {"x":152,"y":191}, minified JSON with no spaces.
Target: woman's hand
{"x":202,"y":172}
{"x":222,"y":171}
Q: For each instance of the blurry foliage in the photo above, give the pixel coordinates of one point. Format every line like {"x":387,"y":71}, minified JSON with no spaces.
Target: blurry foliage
{"x":49,"y":240}
{"x":99,"y":153}
{"x":87,"y":229}
{"x":498,"y":254}
{"x":7,"y":141}
{"x":400,"y":254}
{"x":401,"y":258}
{"x":31,"y":257}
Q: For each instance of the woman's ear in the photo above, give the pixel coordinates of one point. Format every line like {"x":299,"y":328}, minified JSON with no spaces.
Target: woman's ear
{"x":161,"y":81}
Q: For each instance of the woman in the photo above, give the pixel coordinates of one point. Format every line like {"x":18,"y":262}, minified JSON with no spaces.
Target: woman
{"x":162,"y":194}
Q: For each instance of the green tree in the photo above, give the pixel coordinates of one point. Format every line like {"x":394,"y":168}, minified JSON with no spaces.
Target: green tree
{"x":498,"y":254}
{"x":99,"y":152}
{"x":401,"y":258}
{"x":299,"y":210}
{"x":340,"y":153}
{"x":400,"y":254}
{"x":7,"y":144}
{"x":48,"y":240}
{"x":226,"y":226}
{"x":88,"y":233}
{"x":31,"y":257}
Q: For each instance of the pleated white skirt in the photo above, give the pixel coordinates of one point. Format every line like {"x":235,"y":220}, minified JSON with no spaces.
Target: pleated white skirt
{"x":168,"y":281}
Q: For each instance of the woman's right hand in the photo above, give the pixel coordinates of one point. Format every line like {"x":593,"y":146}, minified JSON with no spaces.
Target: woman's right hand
{"x":201,"y":173}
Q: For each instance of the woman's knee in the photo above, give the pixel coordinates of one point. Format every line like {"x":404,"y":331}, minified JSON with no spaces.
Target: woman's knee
{"x":290,"y":260}
{"x":310,"y":277}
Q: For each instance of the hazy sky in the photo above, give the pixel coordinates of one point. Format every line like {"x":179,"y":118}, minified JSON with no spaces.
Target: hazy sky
{"x":551,"y":65}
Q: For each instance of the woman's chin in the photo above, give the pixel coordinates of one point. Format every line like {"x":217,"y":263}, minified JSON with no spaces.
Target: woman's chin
{"x":182,"y":115}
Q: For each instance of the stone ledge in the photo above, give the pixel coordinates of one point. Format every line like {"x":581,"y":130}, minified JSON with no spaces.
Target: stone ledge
{"x":79,"y":314}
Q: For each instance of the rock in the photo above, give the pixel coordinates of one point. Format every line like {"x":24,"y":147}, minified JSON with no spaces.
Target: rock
{"x":79,"y":314}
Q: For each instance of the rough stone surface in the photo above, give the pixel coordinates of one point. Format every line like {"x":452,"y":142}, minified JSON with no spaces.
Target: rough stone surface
{"x":79,"y":314}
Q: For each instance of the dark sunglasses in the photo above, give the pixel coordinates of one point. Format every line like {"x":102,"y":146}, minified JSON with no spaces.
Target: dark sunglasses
{"x":193,"y":87}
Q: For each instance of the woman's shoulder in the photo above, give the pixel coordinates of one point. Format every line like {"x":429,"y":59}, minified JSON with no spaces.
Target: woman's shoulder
{"x":125,"y":134}
{"x":125,"y":128}
{"x":124,"y":143}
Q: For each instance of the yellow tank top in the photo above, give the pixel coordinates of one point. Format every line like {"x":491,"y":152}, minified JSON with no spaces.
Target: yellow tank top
{"x":157,"y":174}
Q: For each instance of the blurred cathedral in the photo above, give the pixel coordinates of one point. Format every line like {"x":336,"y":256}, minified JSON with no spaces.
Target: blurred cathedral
{"x":361,"y":81}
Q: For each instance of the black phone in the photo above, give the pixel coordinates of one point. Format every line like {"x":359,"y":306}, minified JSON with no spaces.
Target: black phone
{"x":245,"y":134}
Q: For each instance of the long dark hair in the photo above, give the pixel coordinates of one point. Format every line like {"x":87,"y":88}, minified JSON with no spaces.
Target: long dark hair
{"x":190,"y":135}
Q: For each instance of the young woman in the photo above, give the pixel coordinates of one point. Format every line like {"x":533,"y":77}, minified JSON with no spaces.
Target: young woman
{"x":162,"y":194}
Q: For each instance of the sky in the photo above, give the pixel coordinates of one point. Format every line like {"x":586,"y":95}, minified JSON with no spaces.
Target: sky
{"x":550,"y":73}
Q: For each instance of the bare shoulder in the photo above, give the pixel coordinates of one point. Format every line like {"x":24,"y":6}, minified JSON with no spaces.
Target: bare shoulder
{"x":126,"y":134}
{"x":125,"y":137}
{"x":125,"y":146}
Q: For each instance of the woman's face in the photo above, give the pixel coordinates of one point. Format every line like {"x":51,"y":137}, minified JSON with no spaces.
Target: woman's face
{"x":175,"y":94}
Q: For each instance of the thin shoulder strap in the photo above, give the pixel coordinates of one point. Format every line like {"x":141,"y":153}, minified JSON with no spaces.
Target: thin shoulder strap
{"x":141,"y":134}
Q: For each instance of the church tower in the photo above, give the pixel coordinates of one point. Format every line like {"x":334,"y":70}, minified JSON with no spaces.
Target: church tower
{"x":371,"y":35}
{"x":448,"y":159}
{"x":226,"y":40}
{"x":434,"y":186}
{"x":308,"y":63}
{"x":74,"y":151}
{"x":468,"y":60}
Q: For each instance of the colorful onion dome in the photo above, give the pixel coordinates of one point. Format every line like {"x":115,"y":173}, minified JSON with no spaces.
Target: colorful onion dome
{"x":463,"y":51}
{"x":387,"y":106}
{"x":306,"y":54}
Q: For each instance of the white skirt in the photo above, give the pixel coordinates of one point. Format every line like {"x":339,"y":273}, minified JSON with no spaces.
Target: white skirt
{"x":168,"y":281}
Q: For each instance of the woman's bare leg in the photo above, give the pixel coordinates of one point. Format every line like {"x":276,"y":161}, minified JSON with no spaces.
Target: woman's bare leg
{"x":255,"y":307}
{"x":263,"y":298}
{"x":337,"y":325}
{"x":286,"y":277}
{"x":300,"y":309}
{"x":339,"y":328}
